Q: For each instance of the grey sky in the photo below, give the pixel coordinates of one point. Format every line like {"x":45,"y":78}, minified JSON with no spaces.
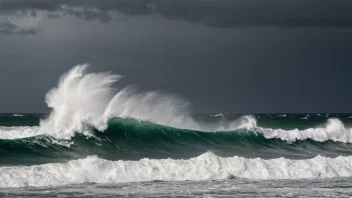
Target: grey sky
{"x":233,"y":56}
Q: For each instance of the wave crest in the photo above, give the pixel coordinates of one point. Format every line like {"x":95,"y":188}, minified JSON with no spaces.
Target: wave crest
{"x":333,"y":130}
{"x":82,"y":100}
{"x":18,"y":132}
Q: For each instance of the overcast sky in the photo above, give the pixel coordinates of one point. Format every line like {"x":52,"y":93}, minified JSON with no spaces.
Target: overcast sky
{"x":244,"y":56}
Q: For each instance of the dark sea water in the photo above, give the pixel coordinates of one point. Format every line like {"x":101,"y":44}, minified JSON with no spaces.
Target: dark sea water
{"x":263,"y":155}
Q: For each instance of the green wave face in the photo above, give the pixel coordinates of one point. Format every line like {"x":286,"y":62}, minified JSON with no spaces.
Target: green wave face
{"x":130,"y":139}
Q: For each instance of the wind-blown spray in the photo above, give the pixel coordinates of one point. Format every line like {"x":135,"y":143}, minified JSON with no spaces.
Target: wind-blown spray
{"x":84,"y":100}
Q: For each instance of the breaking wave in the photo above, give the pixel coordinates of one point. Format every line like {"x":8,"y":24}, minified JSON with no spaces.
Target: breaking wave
{"x":207,"y":166}
{"x":84,"y":101}
{"x":332,"y":130}
{"x":132,"y":139}
{"x":97,"y":134}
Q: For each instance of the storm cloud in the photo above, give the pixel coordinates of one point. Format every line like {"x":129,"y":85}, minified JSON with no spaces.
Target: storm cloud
{"x":8,"y":28}
{"x":244,"y":56}
{"x":213,"y":13}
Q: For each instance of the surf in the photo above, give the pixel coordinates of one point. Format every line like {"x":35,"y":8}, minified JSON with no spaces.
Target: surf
{"x":89,"y":116}
{"x":132,"y":139}
{"x":207,"y":166}
{"x":82,"y":101}
{"x":96,"y":133}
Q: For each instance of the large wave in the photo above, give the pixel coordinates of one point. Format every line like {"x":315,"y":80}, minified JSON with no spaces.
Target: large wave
{"x":204,"y":167}
{"x":132,"y":139}
{"x":83,"y":101}
{"x":143,"y":131}
{"x":332,"y":130}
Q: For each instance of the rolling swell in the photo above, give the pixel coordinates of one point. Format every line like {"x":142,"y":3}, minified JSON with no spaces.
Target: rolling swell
{"x":131,"y":139}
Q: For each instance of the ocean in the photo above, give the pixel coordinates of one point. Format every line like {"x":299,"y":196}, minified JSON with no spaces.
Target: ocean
{"x":101,"y":142}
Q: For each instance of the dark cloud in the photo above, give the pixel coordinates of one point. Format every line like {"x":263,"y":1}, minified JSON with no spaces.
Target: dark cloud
{"x":53,"y":16}
{"x":87,"y":14}
{"x":242,"y":69}
{"x":33,"y":14}
{"x":24,"y":32}
{"x":219,"y":13}
{"x":8,"y":28}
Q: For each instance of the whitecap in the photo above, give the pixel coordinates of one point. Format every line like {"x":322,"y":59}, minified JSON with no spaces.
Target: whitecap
{"x":204,"y":167}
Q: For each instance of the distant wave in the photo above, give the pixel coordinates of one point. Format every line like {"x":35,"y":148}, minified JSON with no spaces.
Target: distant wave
{"x":204,"y":167}
{"x":12,"y":114}
{"x":333,"y":130}
{"x":218,"y":115}
{"x":18,"y":115}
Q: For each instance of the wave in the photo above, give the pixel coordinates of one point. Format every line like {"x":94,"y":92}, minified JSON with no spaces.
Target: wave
{"x":131,"y":139}
{"x":332,"y":130}
{"x":152,"y":136}
{"x":207,"y":166}
{"x":218,"y":115}
{"x":18,"y":132}
{"x":18,"y":115}
{"x":84,"y":100}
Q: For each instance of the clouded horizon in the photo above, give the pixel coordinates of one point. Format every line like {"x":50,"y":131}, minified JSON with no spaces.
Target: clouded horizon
{"x":248,"y":56}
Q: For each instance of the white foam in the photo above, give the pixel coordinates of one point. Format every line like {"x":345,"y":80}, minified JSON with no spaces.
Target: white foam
{"x":82,"y":99}
{"x":205,"y":167}
{"x":218,"y":115}
{"x":18,"y":115}
{"x":18,"y":132}
{"x":333,"y":130}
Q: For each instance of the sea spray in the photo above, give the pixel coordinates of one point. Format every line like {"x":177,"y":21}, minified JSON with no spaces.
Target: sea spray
{"x":82,"y":100}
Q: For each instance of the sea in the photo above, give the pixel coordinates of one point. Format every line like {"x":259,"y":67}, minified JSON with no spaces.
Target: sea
{"x":98,"y":141}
